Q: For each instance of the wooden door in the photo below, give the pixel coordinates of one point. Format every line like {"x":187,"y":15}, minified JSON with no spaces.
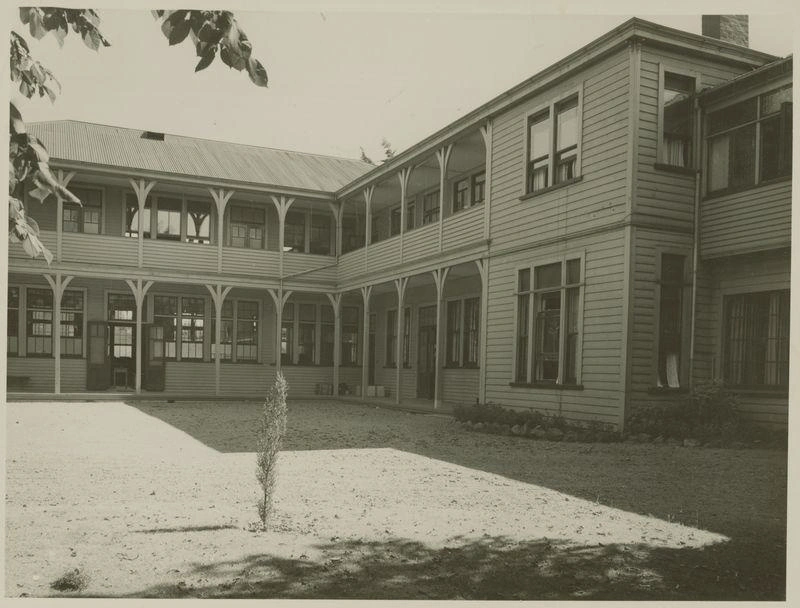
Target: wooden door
{"x":153,"y":356}
{"x":98,"y":364}
{"x":426,"y":359}
{"x":122,"y":355}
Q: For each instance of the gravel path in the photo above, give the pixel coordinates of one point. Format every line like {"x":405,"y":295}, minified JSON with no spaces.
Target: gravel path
{"x":154,"y":500}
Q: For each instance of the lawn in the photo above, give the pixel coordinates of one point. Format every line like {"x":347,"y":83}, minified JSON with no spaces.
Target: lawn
{"x":155,"y":499}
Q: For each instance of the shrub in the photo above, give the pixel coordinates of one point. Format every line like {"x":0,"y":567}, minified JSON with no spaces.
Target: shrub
{"x":707,"y":413}
{"x":271,"y":430}
{"x":492,"y":415}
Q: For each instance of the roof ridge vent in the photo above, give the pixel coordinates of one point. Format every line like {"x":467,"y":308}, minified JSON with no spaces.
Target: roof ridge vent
{"x":154,"y":135}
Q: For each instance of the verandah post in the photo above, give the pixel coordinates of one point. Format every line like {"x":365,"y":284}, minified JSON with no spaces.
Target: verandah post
{"x":58,"y":286}
{"x":218,"y":295}
{"x":400,"y":285}
{"x":139,"y":292}
{"x":439,"y":277}
{"x":366,"y":291}
{"x":336,"y":303}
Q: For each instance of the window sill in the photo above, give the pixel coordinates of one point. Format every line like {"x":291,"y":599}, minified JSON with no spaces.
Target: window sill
{"x":730,"y":191}
{"x":452,"y":366}
{"x":550,"y":386}
{"x":666,"y":390}
{"x":463,"y":209}
{"x":778,"y":391}
{"x":536,"y":193}
{"x":687,"y":171}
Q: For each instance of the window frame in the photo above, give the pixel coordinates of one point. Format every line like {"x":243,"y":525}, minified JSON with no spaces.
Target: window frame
{"x":19,"y":332}
{"x":465,"y":333}
{"x":685,"y":321}
{"x":755,"y":94}
{"x":326,"y":327}
{"x":725,"y":296}
{"x":390,"y":343}
{"x":358,"y":323}
{"x":694,"y":153}
{"x":258,"y":332}
{"x":549,"y":107}
{"x":192,"y":327}
{"x":227,"y":347}
{"x":427,"y":214}
{"x":295,"y":214}
{"x":305,"y":325}
{"x":452,"y":336}
{"x":532,"y":299}
{"x":314,"y":229}
{"x":23,"y":334}
{"x":248,"y":224}
{"x":100,"y":206}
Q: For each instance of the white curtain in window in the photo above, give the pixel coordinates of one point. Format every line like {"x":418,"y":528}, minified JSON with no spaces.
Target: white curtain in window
{"x":672,"y":370}
{"x":674,"y":151}
{"x":539,"y":178}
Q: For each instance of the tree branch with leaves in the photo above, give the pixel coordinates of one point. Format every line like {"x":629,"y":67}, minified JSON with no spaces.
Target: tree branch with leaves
{"x":212,"y":33}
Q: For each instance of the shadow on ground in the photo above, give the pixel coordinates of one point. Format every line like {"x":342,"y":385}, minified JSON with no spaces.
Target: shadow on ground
{"x":490,"y":569}
{"x":738,"y":493}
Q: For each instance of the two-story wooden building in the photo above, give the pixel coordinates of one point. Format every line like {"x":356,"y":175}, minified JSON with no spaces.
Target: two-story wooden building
{"x":593,"y":240}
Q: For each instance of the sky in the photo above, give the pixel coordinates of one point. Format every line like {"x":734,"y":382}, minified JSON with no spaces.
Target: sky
{"x":342,"y":76}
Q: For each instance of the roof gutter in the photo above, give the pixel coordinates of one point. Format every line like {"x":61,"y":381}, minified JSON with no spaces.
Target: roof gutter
{"x":168,"y":177}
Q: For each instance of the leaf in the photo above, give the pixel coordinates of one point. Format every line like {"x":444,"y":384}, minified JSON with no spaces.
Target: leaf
{"x":17,"y":124}
{"x":179,"y":33}
{"x":37,"y":28}
{"x":60,"y":35}
{"x":38,"y":149}
{"x":257,"y":72}
{"x":39,"y":193}
{"x":206,"y":59}
{"x":50,"y":93}
{"x":91,"y":39}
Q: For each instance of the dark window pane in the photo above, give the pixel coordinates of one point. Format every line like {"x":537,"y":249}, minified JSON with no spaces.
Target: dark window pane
{"x":548,"y":276}
{"x":524,"y":280}
{"x":573,"y":271}
{"x":743,"y":157}
{"x":732,"y":116}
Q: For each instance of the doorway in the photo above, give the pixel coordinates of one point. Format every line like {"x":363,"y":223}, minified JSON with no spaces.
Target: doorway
{"x":426,"y":359}
{"x":122,"y":355}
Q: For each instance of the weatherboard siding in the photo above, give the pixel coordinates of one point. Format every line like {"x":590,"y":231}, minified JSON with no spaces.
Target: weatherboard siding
{"x":601,"y":356}
{"x":647,"y":246}
{"x":742,"y":274}
{"x":463,"y":228}
{"x":665,"y":196}
{"x":756,"y":219}
{"x":598,"y":199}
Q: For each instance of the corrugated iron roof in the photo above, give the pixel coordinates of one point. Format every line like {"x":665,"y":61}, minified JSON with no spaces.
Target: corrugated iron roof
{"x":72,"y":140}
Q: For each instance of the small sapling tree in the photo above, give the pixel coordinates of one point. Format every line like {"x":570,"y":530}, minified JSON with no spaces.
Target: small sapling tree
{"x":270,"y":436}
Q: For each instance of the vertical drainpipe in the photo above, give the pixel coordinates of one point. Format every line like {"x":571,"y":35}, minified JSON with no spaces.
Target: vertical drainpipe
{"x":696,"y":237}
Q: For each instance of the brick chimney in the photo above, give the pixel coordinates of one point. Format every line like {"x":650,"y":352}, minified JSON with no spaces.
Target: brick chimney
{"x":730,"y":28}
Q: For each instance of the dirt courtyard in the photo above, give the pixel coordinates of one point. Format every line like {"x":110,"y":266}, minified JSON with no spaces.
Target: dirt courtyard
{"x":154,"y":499}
